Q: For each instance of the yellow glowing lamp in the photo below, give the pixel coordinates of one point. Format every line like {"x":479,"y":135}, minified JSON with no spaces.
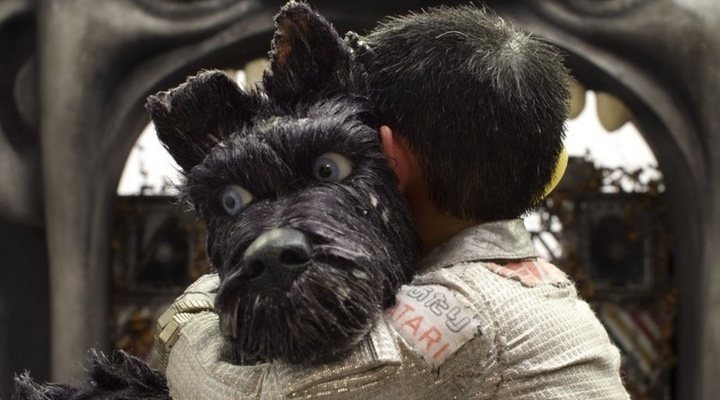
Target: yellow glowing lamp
{"x":558,"y":173}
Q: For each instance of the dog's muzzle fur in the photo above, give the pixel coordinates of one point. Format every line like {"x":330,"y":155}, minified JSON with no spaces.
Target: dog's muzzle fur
{"x":305,"y":275}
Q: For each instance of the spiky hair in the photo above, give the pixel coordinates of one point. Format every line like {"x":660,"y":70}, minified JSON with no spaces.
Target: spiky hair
{"x":481,"y":103}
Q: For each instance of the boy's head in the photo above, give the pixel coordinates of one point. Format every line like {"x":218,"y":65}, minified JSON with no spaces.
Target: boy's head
{"x":480,"y":104}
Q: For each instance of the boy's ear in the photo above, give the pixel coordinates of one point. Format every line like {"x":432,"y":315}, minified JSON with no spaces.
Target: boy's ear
{"x":398,"y":154}
{"x":307,"y":57}
{"x":194,"y":117}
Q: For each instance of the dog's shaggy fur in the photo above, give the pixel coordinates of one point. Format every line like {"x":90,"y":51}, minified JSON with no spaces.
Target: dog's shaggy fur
{"x":268,"y":142}
{"x":122,"y":378}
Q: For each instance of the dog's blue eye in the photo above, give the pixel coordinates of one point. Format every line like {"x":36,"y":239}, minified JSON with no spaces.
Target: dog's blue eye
{"x":332,"y":167}
{"x":234,"y":198}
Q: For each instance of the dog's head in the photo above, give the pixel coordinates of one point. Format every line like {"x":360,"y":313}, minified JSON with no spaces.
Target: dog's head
{"x":306,"y":227}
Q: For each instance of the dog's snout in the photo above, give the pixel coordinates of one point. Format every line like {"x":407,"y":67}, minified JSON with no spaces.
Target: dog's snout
{"x":276,"y":258}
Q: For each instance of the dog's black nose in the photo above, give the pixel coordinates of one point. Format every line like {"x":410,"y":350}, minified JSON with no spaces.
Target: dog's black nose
{"x":276,"y":258}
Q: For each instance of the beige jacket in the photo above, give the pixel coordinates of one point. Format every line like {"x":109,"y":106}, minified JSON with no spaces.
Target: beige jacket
{"x":482,"y":320}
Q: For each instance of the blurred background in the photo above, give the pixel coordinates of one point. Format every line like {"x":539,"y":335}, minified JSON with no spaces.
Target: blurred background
{"x":93,"y":245}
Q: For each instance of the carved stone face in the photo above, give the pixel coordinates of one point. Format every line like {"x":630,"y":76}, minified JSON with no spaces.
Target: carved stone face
{"x":306,"y":227}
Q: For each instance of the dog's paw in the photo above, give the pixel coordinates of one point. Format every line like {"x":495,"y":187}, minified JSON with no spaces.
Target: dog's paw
{"x":122,"y":377}
{"x":27,"y":389}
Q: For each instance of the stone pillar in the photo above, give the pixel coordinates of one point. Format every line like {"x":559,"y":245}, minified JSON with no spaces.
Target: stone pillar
{"x":98,"y":62}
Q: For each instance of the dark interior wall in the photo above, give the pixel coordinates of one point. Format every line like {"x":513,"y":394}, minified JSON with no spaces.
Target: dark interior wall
{"x":4,"y":367}
{"x":24,"y":304}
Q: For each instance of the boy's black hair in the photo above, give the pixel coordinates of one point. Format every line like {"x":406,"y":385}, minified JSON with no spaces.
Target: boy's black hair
{"x":480,"y":102}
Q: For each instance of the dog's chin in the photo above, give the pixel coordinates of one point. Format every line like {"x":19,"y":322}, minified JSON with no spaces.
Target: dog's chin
{"x":324,"y":313}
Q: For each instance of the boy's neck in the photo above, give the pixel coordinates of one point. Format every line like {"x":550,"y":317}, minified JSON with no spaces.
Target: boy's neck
{"x":433,"y":226}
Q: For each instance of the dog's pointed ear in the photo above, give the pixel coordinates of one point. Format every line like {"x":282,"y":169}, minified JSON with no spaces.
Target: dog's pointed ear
{"x":307,"y":57}
{"x":194,"y":117}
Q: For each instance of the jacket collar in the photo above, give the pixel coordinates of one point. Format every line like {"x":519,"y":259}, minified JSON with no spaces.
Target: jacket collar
{"x":499,"y":240}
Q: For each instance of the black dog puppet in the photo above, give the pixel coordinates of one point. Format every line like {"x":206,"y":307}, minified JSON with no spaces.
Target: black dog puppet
{"x":306,"y":228}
